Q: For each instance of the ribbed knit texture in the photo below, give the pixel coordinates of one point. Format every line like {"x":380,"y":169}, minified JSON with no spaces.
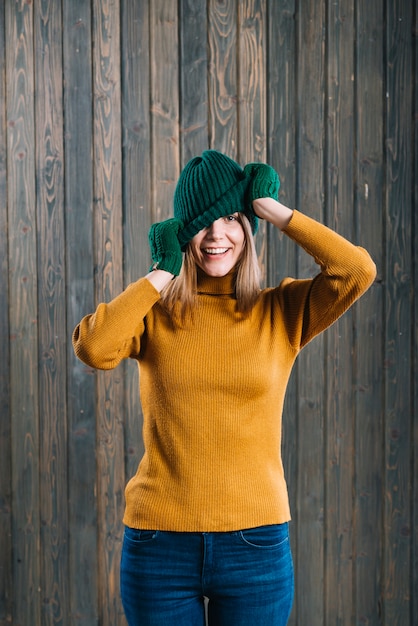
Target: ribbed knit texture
{"x":265,"y":181}
{"x":212,"y":390}
{"x":165,"y":247}
{"x":210,"y":186}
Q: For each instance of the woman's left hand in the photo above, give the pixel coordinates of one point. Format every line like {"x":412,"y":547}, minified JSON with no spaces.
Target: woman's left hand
{"x":263,"y":194}
{"x":264,"y":181}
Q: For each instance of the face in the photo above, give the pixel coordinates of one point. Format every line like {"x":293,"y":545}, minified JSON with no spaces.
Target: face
{"x":218,"y":248}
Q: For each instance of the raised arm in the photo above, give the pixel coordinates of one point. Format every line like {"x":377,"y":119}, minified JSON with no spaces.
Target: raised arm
{"x":102,"y":339}
{"x":345,"y":272}
{"x":272,"y":211}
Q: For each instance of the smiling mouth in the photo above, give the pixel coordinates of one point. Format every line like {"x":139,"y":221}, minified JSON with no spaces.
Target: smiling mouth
{"x":215,"y":251}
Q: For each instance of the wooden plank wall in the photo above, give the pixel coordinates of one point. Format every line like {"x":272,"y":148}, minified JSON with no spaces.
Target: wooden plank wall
{"x":101,"y":104}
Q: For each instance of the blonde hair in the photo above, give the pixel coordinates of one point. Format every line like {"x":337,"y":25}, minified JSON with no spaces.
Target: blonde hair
{"x":179,"y":297}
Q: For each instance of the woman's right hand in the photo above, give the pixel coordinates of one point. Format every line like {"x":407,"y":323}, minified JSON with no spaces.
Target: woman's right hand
{"x":165,"y":247}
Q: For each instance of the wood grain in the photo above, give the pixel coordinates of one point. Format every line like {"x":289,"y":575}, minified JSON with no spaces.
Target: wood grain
{"x":51,"y":306}
{"x":369,"y":317}
{"x":252,"y":106}
{"x":222,"y":78}
{"x":281,"y":256}
{"x":101,"y":104}
{"x":340,"y":417}
{"x":164,"y":106}
{"x":109,"y":282}
{"x":252,"y":81}
{"x":82,"y":488}
{"x":23,"y":313}
{"x":414,"y":309}
{"x":6,"y":582}
{"x":311,"y":366}
{"x":194,"y":107}
{"x":136,"y":93}
{"x":398,"y":408}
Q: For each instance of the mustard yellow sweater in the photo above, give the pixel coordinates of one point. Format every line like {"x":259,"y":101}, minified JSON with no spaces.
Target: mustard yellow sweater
{"x":212,"y":391}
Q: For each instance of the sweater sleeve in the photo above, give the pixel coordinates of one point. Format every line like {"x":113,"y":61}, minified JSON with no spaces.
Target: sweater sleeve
{"x":347,"y":271}
{"x":102,"y":339}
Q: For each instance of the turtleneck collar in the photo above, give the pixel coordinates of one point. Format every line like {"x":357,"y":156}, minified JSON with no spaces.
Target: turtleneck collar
{"x":210,"y":285}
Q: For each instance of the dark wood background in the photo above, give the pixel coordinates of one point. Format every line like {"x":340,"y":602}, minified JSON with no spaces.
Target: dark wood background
{"x":101,"y":104}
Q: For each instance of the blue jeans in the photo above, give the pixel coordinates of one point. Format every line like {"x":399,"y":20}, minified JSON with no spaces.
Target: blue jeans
{"x":247,"y":576}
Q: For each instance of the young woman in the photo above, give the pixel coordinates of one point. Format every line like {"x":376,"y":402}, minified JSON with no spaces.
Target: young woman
{"x":207,"y":512}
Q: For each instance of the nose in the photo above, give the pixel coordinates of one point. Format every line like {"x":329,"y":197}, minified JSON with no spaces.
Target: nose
{"x":215,"y":230}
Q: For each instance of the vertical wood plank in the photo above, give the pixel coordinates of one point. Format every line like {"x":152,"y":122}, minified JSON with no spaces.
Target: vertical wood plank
{"x":164,"y":106}
{"x":339,"y":176}
{"x":369,"y":315}
{"x":281,"y":257}
{"x":136,"y":189}
{"x":23,"y":313}
{"x":223,"y":79}
{"x":77,"y":60}
{"x":397,"y":513}
{"x":311,"y":378}
{"x":51,"y":305}
{"x":6,"y":586}
{"x":193,"y":78}
{"x":251,"y":58}
{"x":109,"y":282}
{"x":414,"y":571}
{"x":281,"y":106}
{"x":252,"y":95}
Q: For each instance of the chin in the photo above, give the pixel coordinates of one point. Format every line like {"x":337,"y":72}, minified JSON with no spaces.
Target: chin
{"x":217,"y":272}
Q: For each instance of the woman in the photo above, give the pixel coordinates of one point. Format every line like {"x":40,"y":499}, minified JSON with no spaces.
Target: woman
{"x":207,"y":512}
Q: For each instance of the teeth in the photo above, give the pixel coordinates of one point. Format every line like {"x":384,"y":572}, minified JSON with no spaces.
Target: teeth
{"x":215,"y":250}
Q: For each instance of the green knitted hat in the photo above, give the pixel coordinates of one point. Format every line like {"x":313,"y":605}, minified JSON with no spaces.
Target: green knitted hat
{"x":210,"y":186}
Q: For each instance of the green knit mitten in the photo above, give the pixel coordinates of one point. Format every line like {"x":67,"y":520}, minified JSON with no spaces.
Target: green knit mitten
{"x":264,"y":182}
{"x":165,"y":247}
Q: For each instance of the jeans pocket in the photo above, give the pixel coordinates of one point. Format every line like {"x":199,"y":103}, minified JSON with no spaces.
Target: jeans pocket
{"x":139,"y":536}
{"x":267,"y":537}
